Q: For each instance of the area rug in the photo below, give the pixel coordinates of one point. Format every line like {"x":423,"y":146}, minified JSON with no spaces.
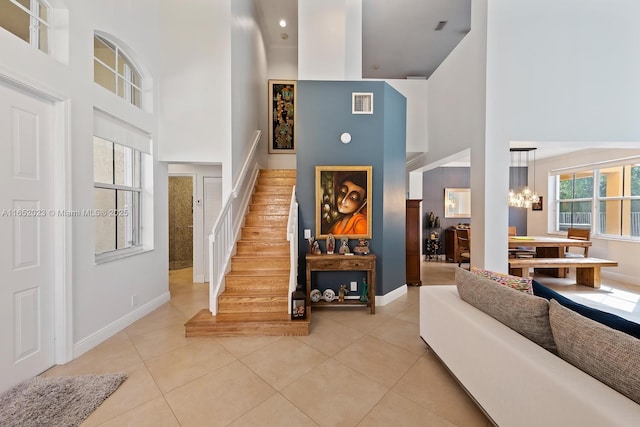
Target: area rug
{"x":56,"y":401}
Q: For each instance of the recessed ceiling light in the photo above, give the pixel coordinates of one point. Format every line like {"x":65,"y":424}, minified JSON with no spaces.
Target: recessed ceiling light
{"x":283,"y":23}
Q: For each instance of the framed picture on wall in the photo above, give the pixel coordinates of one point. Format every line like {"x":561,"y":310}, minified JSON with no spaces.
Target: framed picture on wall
{"x":343,"y":201}
{"x":537,"y":206}
{"x":282,"y":116}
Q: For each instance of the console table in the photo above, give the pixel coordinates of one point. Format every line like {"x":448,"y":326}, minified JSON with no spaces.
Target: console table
{"x":337,"y":262}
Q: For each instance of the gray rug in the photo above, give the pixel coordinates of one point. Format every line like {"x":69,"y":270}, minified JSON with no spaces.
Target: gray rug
{"x":56,"y":401}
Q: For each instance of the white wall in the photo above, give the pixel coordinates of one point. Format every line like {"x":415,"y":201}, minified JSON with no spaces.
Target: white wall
{"x":539,"y":223}
{"x":416,"y":92}
{"x":248,"y":83}
{"x":101,"y":301}
{"x":564,"y":71}
{"x":327,"y":40}
{"x":456,"y":122}
{"x":194,"y":81}
{"x":554,"y":75}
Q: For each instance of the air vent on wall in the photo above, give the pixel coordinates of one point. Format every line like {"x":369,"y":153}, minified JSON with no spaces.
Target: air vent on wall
{"x":361,"y":103}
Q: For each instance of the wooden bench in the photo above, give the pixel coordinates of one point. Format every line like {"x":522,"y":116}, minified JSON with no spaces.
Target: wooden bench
{"x":587,"y":269}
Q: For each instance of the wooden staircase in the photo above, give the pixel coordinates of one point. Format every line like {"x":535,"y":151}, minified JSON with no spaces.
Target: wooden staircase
{"x":256,"y":297}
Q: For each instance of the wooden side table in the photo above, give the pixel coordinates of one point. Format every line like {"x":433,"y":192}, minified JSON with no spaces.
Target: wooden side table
{"x":337,"y":262}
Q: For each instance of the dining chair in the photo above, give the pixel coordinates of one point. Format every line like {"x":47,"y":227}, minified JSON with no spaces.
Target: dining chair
{"x":464,"y":247}
{"x":578,"y":234}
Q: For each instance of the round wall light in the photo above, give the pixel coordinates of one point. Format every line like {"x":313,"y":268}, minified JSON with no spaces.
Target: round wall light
{"x":345,"y":138}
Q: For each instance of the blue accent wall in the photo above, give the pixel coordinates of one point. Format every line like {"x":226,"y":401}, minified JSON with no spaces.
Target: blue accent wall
{"x":323,"y":113}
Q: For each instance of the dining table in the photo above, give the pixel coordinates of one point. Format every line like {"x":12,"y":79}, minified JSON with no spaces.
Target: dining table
{"x":548,"y":247}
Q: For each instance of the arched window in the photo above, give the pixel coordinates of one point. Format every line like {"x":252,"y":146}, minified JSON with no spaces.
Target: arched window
{"x":29,"y":20}
{"x":114,"y":71}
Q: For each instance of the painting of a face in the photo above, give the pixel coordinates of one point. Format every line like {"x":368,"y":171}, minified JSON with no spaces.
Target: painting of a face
{"x":350,"y":197}
{"x":343,"y":201}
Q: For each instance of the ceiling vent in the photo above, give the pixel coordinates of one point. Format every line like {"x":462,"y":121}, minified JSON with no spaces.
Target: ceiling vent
{"x":440,"y":25}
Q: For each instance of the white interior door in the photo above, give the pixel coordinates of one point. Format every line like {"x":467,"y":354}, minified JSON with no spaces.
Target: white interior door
{"x":212,"y":205}
{"x":26,"y":230}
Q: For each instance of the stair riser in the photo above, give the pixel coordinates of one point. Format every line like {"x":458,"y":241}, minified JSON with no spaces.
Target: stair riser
{"x":233,"y":282}
{"x":257,"y":233}
{"x":230,"y":304}
{"x":235,"y":288}
{"x":270,"y":209}
{"x":270,"y":199}
{"x":262,"y":249}
{"x":281,"y":182}
{"x":273,"y":189}
{"x":250,"y":330}
{"x":255,"y":264}
{"x":287,"y":173}
{"x":257,"y":220}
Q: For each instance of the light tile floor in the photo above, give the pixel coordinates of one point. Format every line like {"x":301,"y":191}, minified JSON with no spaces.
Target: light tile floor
{"x":353,"y":369}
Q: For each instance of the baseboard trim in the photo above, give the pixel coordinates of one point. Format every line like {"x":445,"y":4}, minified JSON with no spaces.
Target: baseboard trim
{"x":113,"y":328}
{"x":620,"y":277}
{"x":389,"y":297}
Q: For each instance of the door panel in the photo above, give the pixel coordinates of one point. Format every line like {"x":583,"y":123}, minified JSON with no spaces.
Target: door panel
{"x":26,"y":229}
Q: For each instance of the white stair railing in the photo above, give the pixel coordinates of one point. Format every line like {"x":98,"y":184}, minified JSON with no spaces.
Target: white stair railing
{"x":292,"y":237}
{"x":227,"y":227}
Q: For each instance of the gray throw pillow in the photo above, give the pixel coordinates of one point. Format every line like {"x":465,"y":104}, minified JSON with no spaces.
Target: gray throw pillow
{"x":524,"y":313}
{"x":604,"y":353}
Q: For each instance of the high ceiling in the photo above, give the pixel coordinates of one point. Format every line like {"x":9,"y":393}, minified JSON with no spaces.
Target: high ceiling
{"x":399,"y":39}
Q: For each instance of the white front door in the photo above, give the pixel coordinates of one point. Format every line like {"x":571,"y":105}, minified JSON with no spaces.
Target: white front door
{"x":26,"y":233}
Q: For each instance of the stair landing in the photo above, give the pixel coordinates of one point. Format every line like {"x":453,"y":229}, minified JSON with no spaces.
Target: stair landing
{"x":255,"y":324}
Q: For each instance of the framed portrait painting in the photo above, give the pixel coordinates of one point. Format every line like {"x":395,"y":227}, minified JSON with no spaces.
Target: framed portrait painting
{"x":343,"y":201}
{"x":282,"y":116}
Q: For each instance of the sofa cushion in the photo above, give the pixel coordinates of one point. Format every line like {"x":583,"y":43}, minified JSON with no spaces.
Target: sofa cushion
{"x":609,"y":319}
{"x":518,"y":283}
{"x":604,"y":353}
{"x":524,"y":313}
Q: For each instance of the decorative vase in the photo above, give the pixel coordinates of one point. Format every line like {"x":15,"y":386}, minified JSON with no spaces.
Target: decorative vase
{"x":364,"y":295}
{"x":362,"y":248}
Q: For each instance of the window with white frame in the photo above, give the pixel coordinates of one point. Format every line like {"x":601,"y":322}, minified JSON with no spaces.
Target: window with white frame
{"x":29,"y":20}
{"x":575,"y":200}
{"x":114,"y":71}
{"x":122,"y":187}
{"x":116,"y":182}
{"x":604,"y":198}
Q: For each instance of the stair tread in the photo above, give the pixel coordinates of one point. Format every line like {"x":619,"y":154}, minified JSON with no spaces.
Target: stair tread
{"x":250,"y":324}
{"x":255,"y":273}
{"x":255,"y":293}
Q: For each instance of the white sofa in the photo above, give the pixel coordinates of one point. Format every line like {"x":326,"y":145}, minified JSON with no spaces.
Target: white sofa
{"x":515,"y":381}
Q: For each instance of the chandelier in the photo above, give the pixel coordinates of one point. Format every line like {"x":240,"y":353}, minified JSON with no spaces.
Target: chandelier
{"x":524,"y":197}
